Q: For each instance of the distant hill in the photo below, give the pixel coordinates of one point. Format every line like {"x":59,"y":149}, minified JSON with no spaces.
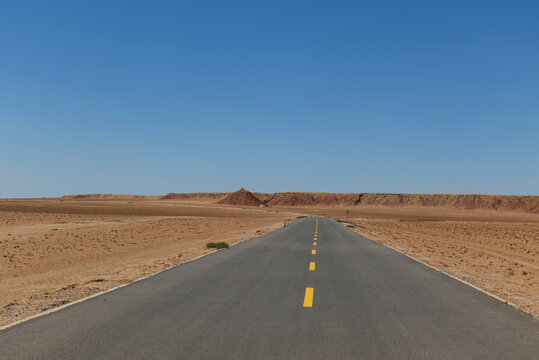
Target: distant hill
{"x":186,"y":196}
{"x":525,"y":203}
{"x":241,"y":197}
{"x":107,"y":197}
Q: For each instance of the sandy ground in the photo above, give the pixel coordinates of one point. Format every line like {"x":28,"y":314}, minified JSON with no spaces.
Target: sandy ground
{"x":496,"y":251}
{"x":54,"y":252}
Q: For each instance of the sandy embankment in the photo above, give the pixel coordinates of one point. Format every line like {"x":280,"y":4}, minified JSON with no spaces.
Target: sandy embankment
{"x":51,"y":258}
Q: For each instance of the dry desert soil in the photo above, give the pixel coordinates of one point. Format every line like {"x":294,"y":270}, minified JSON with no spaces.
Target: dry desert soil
{"x":54,"y":251}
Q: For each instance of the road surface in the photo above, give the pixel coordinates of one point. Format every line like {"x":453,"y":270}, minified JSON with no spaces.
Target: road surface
{"x":280,"y":296}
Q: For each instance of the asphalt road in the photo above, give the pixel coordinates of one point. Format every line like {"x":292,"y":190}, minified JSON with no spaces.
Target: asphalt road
{"x":251,"y":302}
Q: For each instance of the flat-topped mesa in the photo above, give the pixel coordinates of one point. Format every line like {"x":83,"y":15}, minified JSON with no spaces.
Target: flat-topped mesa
{"x":525,"y":203}
{"x":188,"y":196}
{"x":241,"y":197}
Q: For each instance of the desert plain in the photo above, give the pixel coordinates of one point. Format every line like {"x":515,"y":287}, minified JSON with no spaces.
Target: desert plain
{"x":55,"y":251}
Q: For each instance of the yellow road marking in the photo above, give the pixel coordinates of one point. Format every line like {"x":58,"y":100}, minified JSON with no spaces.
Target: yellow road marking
{"x":308,"y":302}
{"x":311,"y":266}
{"x":314,"y":243}
{"x":313,"y":252}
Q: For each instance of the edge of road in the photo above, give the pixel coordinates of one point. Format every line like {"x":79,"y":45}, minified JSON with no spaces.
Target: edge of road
{"x":486,"y":292}
{"x":58,"y":308}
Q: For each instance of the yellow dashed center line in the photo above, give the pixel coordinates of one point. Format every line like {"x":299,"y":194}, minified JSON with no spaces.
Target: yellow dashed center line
{"x":309,"y":292}
{"x":308,"y":302}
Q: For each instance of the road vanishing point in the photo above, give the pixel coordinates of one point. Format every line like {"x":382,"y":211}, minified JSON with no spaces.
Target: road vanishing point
{"x":311,"y":290}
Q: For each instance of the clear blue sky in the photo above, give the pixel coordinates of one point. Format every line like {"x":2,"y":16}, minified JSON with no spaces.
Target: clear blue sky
{"x":375,"y":96}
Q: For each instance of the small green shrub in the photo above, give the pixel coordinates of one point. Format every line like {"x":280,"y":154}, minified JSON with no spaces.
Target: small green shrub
{"x":219,"y":245}
{"x":301,"y":217}
{"x":351,"y":226}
